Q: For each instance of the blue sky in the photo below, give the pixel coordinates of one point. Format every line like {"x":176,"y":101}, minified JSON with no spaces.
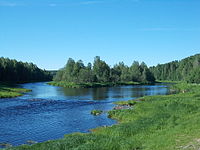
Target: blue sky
{"x":48,"y":32}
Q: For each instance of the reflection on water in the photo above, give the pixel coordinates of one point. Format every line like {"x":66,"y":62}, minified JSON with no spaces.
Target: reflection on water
{"x":93,"y":93}
{"x":75,"y":92}
{"x":100,"y":93}
{"x":49,"y":112}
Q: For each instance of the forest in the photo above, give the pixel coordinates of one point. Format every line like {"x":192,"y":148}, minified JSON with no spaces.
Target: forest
{"x":12,"y":70}
{"x":187,"y":70}
{"x":101,"y":72}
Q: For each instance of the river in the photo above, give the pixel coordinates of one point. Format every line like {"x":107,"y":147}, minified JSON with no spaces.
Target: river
{"x":49,"y":112}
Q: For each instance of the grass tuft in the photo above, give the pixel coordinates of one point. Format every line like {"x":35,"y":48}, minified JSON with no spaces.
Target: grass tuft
{"x":96,"y":112}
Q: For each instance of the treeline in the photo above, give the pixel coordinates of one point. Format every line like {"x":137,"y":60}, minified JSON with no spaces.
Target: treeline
{"x":17,"y":71}
{"x":101,"y":72}
{"x":187,"y":69}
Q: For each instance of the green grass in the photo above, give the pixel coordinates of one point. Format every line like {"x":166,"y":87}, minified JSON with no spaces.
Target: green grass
{"x":167,"y":81}
{"x":128,"y":103}
{"x":88,"y":85}
{"x":7,"y":91}
{"x":79,"y":85}
{"x":166,"y":122}
{"x":96,"y":112}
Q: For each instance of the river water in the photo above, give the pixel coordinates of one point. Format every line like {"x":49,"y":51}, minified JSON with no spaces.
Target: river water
{"x":49,"y":112}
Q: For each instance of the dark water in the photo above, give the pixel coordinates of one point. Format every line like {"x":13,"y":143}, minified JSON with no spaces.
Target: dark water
{"x":49,"y":112}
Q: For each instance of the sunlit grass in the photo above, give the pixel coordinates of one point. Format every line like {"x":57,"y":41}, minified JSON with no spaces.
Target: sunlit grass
{"x":128,"y":103}
{"x":96,"y":112}
{"x":6,"y":91}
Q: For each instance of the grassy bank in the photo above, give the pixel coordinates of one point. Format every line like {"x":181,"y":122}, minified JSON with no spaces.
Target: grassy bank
{"x":155,"y":123}
{"x":8,"y":91}
{"x":168,"y":81}
{"x":89,"y":85}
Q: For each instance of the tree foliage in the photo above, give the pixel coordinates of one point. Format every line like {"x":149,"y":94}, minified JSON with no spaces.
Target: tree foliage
{"x":17,"y":71}
{"x":101,"y":72}
{"x":187,"y":69}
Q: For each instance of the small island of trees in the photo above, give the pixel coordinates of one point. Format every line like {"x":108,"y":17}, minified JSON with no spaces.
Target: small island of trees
{"x":76,"y":74}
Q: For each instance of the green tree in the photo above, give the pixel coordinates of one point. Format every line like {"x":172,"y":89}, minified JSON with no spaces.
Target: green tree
{"x":135,"y":71}
{"x":101,"y":70}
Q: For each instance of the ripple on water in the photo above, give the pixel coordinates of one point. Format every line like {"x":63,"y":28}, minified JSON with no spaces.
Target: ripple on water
{"x":49,"y":112}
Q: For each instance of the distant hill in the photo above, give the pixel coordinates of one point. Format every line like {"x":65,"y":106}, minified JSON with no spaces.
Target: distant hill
{"x":187,"y":69}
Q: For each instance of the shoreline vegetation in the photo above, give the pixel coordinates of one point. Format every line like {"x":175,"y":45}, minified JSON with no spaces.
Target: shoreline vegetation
{"x":99,"y":74}
{"x":164,"y":122}
{"x":185,"y":70}
{"x":89,"y":85}
{"x":13,"y":72}
{"x":8,"y":91}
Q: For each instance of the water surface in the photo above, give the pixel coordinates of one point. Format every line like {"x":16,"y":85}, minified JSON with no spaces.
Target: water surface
{"x":49,"y":112}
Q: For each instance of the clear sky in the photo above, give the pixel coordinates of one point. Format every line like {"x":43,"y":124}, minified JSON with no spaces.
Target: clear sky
{"x":48,"y":32}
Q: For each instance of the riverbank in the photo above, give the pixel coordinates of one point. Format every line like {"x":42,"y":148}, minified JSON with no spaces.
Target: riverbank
{"x":157,"y":122}
{"x":90,"y":85}
{"x":8,"y":91}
